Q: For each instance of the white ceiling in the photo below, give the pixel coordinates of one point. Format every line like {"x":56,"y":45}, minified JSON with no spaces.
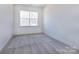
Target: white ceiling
{"x":36,"y":5}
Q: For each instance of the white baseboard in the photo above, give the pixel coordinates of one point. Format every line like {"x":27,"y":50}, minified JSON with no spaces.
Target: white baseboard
{"x":5,"y":43}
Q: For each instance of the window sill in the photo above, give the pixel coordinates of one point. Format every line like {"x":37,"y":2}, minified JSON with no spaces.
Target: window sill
{"x":29,"y":26}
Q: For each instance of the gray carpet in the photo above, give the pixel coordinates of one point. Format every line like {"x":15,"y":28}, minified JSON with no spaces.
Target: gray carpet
{"x":36,"y":44}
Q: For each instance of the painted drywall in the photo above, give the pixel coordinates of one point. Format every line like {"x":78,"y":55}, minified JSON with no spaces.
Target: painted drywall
{"x":62,"y":23}
{"x":6,"y":25}
{"x":27,"y":29}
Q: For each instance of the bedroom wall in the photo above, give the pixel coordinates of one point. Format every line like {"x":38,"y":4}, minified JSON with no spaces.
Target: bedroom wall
{"x":27,"y":29}
{"x":62,"y":23}
{"x":6,"y":24}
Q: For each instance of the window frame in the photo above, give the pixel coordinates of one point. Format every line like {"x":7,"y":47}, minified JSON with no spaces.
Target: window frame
{"x":37,"y":23}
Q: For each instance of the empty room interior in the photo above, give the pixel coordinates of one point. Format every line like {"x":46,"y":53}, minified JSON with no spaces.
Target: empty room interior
{"x":39,"y":28}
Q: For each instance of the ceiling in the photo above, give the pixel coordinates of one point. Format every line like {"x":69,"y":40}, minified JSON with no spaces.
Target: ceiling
{"x":36,"y":5}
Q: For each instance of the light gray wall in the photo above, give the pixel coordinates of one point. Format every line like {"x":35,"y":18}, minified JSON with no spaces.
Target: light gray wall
{"x":6,"y":25}
{"x":62,"y":23}
{"x":27,"y":29}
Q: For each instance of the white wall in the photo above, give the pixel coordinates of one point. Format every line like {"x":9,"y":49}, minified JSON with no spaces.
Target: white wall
{"x":62,"y":23}
{"x":6,"y":25}
{"x":26,"y":29}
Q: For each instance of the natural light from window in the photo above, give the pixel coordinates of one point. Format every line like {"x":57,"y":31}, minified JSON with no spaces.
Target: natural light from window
{"x":28,"y":18}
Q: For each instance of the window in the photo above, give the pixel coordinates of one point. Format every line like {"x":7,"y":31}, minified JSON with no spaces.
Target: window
{"x":28,"y":18}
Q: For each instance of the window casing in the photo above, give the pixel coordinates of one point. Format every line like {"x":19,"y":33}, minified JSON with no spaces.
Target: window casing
{"x":28,"y":18}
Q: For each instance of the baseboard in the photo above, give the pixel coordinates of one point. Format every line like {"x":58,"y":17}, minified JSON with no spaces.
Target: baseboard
{"x":28,"y":34}
{"x":5,"y":44}
{"x":55,"y":39}
{"x":62,"y":42}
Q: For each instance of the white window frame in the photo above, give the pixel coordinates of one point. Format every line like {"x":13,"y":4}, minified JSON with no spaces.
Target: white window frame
{"x":29,"y":24}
